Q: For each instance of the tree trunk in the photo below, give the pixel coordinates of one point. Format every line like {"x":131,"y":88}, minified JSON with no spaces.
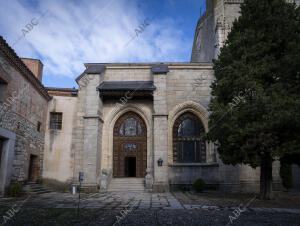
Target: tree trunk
{"x":266,"y":178}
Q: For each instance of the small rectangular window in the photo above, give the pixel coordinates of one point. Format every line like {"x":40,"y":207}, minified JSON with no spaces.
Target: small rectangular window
{"x":39,"y":126}
{"x":55,"y":120}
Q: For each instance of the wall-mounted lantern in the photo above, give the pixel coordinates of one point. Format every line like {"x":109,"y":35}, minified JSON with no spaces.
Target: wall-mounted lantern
{"x":80,"y":177}
{"x":159,"y":162}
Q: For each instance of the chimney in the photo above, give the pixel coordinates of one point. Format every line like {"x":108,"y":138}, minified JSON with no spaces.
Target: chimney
{"x":35,"y":66}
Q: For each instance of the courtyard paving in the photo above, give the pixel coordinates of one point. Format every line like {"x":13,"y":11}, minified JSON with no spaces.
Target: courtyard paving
{"x":133,"y":208}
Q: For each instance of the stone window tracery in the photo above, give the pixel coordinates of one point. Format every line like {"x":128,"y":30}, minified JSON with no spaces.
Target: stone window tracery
{"x":188,"y":145}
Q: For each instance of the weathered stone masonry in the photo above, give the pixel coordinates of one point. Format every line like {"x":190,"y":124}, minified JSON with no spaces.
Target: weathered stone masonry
{"x":23,"y":109}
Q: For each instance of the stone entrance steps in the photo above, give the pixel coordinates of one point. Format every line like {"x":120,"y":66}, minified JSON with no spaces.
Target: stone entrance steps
{"x":34,"y":189}
{"x":127,"y":184}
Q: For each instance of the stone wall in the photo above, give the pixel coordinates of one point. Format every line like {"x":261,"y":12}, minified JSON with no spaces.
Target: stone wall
{"x":28,"y":141}
{"x":187,"y":175}
{"x":188,"y":91}
{"x":87,"y":131}
{"x":160,"y":131}
{"x":188,"y":82}
{"x":128,"y":72}
{"x":22,"y":112}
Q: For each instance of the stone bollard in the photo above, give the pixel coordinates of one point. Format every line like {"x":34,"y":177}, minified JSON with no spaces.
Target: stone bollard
{"x":149,"y":179}
{"x":104,"y":180}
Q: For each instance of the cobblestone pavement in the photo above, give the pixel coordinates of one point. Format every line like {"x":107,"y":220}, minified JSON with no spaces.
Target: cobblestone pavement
{"x":175,"y":208}
{"x":168,"y":200}
{"x":111,"y":200}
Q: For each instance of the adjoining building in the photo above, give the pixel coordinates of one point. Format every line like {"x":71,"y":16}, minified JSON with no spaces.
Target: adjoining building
{"x":23,"y":111}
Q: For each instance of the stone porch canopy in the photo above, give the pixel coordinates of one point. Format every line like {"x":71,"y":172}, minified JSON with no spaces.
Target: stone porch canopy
{"x":126,"y":88}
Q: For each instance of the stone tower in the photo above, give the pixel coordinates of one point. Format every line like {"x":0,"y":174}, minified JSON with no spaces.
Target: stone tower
{"x":213,"y":27}
{"x":210,"y":35}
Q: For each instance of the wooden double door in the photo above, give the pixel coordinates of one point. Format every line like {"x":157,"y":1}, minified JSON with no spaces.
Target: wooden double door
{"x":130,"y":146}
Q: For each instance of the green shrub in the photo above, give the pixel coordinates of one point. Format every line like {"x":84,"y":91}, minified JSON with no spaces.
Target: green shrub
{"x":199,"y":185}
{"x":14,"y":190}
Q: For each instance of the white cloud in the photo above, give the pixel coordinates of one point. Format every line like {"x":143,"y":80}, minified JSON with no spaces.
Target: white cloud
{"x":74,"y":32}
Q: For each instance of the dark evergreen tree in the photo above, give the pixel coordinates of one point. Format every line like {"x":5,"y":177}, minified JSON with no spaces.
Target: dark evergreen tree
{"x":255,"y":108}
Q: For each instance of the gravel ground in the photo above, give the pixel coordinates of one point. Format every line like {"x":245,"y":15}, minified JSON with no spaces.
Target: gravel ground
{"x":33,"y":216}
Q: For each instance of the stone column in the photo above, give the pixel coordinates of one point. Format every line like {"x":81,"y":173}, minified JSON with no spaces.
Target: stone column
{"x":160,"y":133}
{"x":91,"y":132}
{"x":90,"y":150}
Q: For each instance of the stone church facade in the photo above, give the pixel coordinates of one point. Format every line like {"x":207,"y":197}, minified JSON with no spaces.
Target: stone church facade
{"x":123,"y":125}
{"x":141,"y":121}
{"x":145,"y":120}
{"x":130,"y":116}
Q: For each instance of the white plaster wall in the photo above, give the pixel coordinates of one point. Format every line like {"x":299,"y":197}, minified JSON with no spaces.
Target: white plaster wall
{"x":58,"y":143}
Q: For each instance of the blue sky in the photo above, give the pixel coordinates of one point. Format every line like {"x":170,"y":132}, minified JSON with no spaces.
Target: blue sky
{"x":65,"y":34}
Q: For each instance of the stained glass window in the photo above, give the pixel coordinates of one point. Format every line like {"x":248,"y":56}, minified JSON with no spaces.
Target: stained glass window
{"x":188,"y":127}
{"x":189,"y":146}
{"x":130,"y":127}
{"x":130,"y":147}
{"x":139,"y":129}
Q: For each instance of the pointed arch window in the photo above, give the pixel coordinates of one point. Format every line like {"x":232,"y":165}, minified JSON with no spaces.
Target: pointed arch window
{"x":188,"y":145}
{"x":130,"y":127}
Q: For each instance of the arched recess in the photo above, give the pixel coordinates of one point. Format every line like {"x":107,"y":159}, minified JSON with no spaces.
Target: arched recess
{"x":110,"y":120}
{"x":130,"y":146}
{"x":201,"y":113}
{"x":188,"y":143}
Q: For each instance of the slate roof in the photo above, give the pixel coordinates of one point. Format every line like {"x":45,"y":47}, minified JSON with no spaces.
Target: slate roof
{"x":61,"y":89}
{"x":127,"y":85}
{"x":95,"y":69}
{"x":92,"y":69}
{"x":160,"y":69}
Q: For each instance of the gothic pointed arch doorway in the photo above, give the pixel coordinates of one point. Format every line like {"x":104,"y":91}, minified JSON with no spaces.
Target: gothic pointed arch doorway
{"x":130,"y":146}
